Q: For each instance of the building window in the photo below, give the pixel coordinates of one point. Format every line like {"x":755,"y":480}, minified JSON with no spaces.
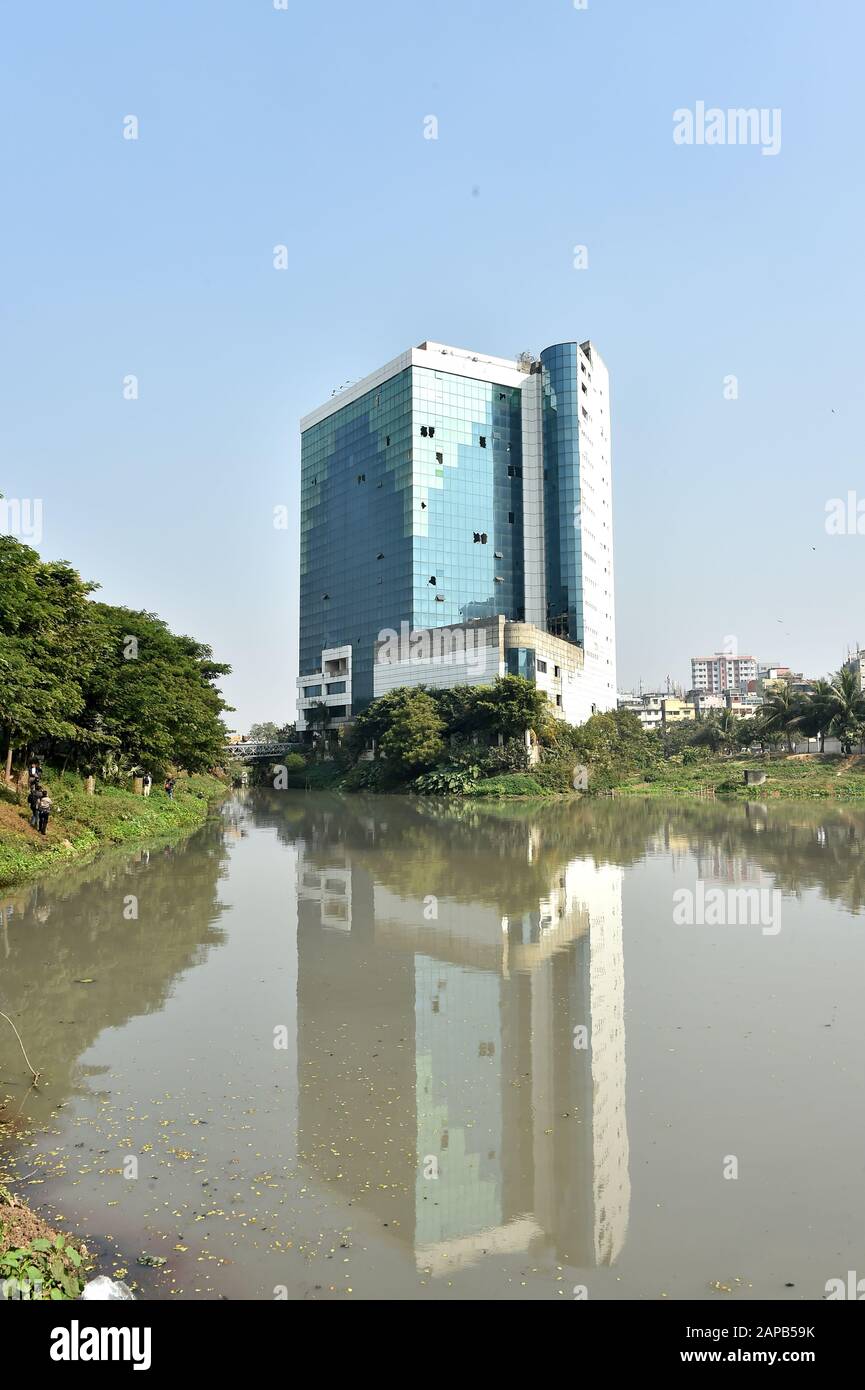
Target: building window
{"x":557,"y":670}
{"x":310,"y":690}
{"x":336,"y":688}
{"x":511,"y":518}
{"x":542,"y":666}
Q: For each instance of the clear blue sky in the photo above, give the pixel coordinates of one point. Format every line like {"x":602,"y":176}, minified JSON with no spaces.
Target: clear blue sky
{"x":305,"y":127}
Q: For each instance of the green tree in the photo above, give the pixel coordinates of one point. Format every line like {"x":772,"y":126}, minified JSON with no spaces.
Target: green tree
{"x":781,"y":712}
{"x":509,"y":707}
{"x":153,"y":692}
{"x":45,"y":647}
{"x":413,"y":741}
{"x":848,"y":709}
{"x":267,"y":732}
{"x":817,"y":710}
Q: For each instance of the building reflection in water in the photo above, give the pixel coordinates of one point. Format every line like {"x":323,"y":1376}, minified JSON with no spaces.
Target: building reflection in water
{"x":437,"y":1034}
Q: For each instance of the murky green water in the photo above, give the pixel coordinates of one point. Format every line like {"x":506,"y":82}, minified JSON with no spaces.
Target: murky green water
{"x":391,"y":1048}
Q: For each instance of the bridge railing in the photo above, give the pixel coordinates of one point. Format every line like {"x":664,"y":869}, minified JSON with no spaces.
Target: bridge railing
{"x":243,"y":752}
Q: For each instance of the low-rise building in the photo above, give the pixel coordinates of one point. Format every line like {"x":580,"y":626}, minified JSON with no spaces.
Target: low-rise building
{"x":657,"y":711}
{"x":477,"y":653}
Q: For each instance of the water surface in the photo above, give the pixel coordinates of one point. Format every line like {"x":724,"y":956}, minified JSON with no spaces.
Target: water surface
{"x":399,"y":1048}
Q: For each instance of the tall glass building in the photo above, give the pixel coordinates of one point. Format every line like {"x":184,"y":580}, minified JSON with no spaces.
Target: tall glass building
{"x":449,"y":487}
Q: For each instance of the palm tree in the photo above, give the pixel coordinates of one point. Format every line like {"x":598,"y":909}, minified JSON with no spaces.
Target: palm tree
{"x":729,"y":731}
{"x":781,"y":712}
{"x":817,"y":710}
{"x":719,"y":732}
{"x":848,"y":709}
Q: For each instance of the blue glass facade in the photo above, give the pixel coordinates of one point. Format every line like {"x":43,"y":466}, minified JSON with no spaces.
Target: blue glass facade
{"x":521,"y":662}
{"x":411,"y":511}
{"x":468,"y":501}
{"x":561,"y":452}
{"x":355,"y":527}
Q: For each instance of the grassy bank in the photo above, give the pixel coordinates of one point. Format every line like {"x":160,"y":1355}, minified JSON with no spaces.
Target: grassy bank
{"x":799,"y":777}
{"x":36,"y":1261}
{"x":80,"y":824}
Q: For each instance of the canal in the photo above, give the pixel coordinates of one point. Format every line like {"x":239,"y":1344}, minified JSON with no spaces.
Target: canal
{"x":334,"y":1048}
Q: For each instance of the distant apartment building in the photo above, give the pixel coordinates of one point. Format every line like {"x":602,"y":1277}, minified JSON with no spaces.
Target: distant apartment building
{"x":449,"y":488}
{"x":661,"y":712}
{"x":658,"y":711}
{"x":718,"y":674}
{"x":742,"y":706}
{"x":772,"y":678}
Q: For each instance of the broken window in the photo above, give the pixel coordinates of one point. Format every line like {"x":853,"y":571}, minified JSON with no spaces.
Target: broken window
{"x":483,"y":441}
{"x":440,"y":458}
{"x":440,"y":598}
{"x":361,"y":477}
{"x":424,"y":431}
{"x":511,"y":518}
{"x":432,"y":580}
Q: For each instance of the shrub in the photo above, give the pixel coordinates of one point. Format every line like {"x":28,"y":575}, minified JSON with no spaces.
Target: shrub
{"x":512,"y":756}
{"x":448,"y":781}
{"x":364,"y":776}
{"x":554,"y":774}
{"x":42,"y":1269}
{"x":510,"y":784}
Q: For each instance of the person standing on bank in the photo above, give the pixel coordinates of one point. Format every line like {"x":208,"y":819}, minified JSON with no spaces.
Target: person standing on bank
{"x":148,"y":783}
{"x":43,"y":807}
{"x":33,"y":801}
{"x":169,"y":787}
